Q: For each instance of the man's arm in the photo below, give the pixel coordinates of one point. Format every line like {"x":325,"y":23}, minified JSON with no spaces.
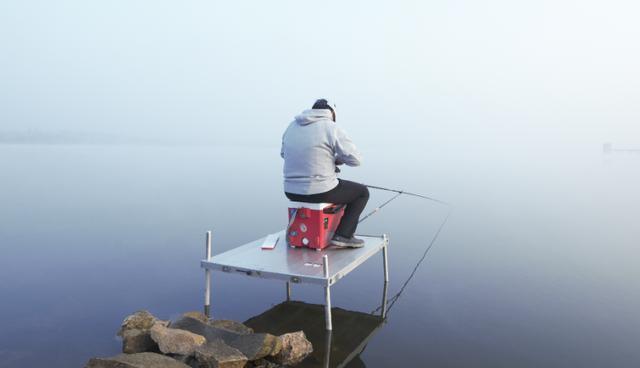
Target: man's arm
{"x":346,"y":151}
{"x":282,"y":145}
{"x":282,"y":150}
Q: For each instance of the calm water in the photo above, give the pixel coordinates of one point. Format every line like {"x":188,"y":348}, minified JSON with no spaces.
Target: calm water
{"x":537,"y":265}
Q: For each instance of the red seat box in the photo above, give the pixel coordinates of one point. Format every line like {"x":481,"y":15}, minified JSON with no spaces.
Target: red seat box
{"x":314,"y":224}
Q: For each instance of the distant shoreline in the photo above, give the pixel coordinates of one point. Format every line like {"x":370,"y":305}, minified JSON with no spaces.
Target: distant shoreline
{"x":74,"y":138}
{"x":58,"y":137}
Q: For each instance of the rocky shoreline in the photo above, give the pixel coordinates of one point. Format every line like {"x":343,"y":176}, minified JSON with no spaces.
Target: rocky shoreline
{"x":196,"y":341}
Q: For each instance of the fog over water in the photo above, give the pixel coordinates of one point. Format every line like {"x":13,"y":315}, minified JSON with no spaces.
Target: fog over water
{"x":160,"y":71}
{"x":128,"y":129}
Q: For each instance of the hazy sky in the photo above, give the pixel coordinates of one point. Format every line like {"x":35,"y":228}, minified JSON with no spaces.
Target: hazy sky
{"x":201,"y":69}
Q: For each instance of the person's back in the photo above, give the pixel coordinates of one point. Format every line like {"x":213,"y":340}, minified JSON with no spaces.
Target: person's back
{"x":312,"y":147}
{"x":311,"y":144}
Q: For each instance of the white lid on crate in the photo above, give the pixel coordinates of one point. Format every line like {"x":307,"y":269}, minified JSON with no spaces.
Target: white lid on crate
{"x":311,"y":206}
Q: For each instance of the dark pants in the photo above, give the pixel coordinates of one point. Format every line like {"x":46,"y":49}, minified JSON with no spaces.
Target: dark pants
{"x":354,"y":195}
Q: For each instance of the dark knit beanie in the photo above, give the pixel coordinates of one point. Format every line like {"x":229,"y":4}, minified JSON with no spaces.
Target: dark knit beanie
{"x":324,"y":104}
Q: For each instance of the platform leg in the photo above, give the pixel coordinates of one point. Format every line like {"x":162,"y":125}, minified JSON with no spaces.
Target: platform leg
{"x":327,"y":349}
{"x":207,"y":278}
{"x":385,"y":259}
{"x":327,"y":307}
{"x":327,"y":294}
{"x":288,"y":291}
{"x":385,"y":265}
{"x":383,"y":312}
{"x":207,"y":293}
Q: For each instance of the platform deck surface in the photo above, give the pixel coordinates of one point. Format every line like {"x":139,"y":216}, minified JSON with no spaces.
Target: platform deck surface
{"x":293,"y":264}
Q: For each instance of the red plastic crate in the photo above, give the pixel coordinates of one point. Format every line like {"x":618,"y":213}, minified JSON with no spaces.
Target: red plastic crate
{"x":314,"y":224}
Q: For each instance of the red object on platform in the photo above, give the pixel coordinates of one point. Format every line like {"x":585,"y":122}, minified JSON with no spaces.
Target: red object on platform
{"x":314,"y":224}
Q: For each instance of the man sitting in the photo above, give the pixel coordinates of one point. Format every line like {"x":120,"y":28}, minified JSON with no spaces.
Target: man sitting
{"x":312,"y":147}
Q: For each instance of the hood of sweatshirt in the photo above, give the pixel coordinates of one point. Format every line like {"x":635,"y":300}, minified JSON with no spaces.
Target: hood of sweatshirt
{"x":312,"y":115}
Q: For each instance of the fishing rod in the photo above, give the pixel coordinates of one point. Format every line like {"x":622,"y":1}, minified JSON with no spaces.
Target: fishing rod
{"x":379,"y":207}
{"x":407,"y":193}
{"x":400,"y":192}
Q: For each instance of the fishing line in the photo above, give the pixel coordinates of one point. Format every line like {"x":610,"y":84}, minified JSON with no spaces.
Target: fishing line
{"x":395,"y":297}
{"x":379,"y":207}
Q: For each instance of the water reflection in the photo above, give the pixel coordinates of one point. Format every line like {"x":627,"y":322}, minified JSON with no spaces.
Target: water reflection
{"x":536,"y":267}
{"x":341,"y":347}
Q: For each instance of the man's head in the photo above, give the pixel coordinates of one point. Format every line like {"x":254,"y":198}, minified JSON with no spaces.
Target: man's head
{"x":324,"y":104}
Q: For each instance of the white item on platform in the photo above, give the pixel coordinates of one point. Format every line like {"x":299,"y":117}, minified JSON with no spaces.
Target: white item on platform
{"x":270,"y":241}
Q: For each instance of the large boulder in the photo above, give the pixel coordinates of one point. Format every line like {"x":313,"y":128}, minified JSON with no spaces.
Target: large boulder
{"x":295,"y":347}
{"x":202,"y":328}
{"x":138,"y":341}
{"x":175,"y":341}
{"x":140,"y":320}
{"x":217,"y":354}
{"x":229,"y":325}
{"x":264,"y":363}
{"x":140,"y":360}
{"x":189,"y":360}
{"x":197,"y":315}
{"x":224,"y":324}
{"x":256,"y":346}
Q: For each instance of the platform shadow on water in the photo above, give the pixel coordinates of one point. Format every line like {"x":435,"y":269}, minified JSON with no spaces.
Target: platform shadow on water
{"x":340,"y":348}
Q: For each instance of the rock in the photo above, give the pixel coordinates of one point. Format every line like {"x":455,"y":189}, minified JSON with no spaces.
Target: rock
{"x":197,"y":315}
{"x":263,"y":363}
{"x":256,"y":346}
{"x":175,"y":341}
{"x":189,"y":360}
{"x":201,"y":328}
{"x":217,"y":354}
{"x":225,"y":324}
{"x":138,"y":341}
{"x":140,"y":360}
{"x":295,"y":347}
{"x":233,"y":326}
{"x":140,"y":320}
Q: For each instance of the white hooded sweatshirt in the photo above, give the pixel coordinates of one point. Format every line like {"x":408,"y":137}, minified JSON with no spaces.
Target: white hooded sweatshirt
{"x":312,"y":146}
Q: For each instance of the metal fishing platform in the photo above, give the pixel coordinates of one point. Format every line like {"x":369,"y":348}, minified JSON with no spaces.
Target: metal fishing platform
{"x":294,"y":265}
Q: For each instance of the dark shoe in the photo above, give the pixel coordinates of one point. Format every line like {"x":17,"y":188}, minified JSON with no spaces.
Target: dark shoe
{"x":342,"y":242}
